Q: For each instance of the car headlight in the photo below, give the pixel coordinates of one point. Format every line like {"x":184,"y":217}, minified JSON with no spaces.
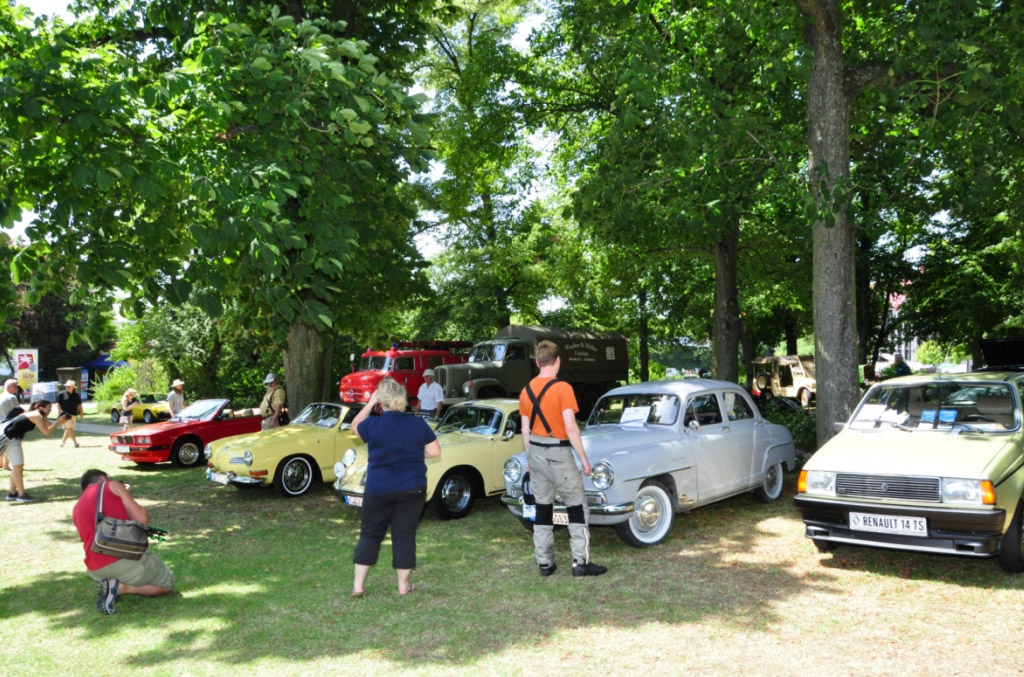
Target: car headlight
{"x":247,"y":456}
{"x":513,"y":471}
{"x":969,"y":492}
{"x":207,"y":452}
{"x":818,"y":482}
{"x":602,"y":475}
{"x":339,"y":469}
{"x":348,"y":459}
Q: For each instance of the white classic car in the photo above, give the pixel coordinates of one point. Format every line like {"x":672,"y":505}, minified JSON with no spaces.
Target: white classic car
{"x":666,"y":447}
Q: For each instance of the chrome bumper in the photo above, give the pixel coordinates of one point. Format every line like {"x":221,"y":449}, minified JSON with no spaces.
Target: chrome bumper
{"x":595,"y":504}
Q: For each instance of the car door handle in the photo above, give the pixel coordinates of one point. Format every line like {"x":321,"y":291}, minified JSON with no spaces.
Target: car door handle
{"x":725,"y":428}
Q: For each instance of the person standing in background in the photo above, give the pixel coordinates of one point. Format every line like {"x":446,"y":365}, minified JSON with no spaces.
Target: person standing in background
{"x":8,"y":401}
{"x":273,"y":403}
{"x":176,"y":398}
{"x":70,"y":403}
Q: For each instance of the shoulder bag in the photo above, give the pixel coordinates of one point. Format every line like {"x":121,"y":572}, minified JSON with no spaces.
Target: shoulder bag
{"x":125,"y":539}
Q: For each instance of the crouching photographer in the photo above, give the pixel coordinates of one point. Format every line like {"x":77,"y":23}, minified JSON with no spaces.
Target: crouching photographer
{"x":133,"y":574}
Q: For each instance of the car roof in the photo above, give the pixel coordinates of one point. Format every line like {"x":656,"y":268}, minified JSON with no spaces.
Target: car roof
{"x":994,"y":374}
{"x":678,"y":387}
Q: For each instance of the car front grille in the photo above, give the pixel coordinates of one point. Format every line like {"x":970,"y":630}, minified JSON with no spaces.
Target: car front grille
{"x":891,"y":487}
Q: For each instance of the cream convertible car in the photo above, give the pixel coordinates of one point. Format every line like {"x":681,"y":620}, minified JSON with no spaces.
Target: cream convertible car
{"x":291,"y":457}
{"x":668,"y":447}
{"x":476,"y":438}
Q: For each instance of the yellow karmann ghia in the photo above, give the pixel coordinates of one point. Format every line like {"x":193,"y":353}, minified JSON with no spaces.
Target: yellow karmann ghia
{"x":476,"y":437}
{"x":290,"y":457}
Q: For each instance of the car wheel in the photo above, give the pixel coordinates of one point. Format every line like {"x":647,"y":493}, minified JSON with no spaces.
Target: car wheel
{"x":115,"y":416}
{"x":824,"y":546}
{"x":294,"y":476}
{"x":652,"y":517}
{"x":1011,"y":550}
{"x":771,"y":486}
{"x":453,"y":497}
{"x":805,"y":398}
{"x":186,"y":453}
{"x":148,"y":416}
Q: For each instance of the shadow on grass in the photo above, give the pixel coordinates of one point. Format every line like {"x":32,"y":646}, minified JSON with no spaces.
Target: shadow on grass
{"x":262,"y":577}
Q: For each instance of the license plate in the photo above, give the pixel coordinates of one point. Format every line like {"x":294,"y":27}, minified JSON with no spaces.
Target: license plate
{"x":354,"y":500}
{"x":122,"y":448}
{"x":560,"y":518}
{"x":889,"y":524}
{"x":218,"y":477}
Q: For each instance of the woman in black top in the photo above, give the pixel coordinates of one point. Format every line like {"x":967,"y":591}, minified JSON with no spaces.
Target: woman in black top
{"x":14,"y":432}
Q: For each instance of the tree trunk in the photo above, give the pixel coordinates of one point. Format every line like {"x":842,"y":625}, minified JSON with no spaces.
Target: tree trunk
{"x":725,"y":320}
{"x":645,"y":338}
{"x":835,"y":331}
{"x":749,"y":353}
{"x":307,"y":366}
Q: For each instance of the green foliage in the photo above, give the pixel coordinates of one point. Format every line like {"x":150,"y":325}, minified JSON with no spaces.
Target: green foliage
{"x":146,"y":376}
{"x":932,"y":352}
{"x":800,"y":424}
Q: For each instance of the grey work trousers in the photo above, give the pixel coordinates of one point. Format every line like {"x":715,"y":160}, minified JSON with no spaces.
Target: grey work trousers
{"x":553,"y":472}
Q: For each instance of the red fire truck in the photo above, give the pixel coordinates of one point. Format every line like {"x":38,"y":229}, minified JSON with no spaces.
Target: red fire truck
{"x":405,"y":362}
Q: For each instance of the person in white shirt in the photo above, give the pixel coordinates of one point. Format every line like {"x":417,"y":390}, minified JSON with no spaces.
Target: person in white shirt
{"x":430,"y":395}
{"x":176,"y":398}
{"x":8,"y":401}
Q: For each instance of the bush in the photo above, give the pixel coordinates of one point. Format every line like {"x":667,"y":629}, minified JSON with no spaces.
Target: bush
{"x":146,"y":376}
{"x":801,"y":425}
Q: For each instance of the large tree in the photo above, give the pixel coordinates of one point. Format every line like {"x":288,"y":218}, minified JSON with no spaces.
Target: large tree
{"x":251,"y":155}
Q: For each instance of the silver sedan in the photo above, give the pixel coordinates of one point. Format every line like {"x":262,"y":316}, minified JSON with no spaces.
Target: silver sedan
{"x":663,"y":448}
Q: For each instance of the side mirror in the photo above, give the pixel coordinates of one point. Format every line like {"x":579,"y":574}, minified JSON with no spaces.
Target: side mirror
{"x":693,"y":425}
{"x":838,"y":426}
{"x":509,"y":434}
{"x":352,"y":357}
{"x":344,"y":427}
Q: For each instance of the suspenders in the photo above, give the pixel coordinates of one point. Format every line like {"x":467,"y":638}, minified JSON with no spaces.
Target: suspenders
{"x":535,"y":400}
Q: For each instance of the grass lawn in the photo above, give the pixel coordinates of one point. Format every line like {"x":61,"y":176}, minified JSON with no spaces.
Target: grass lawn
{"x":263,"y":582}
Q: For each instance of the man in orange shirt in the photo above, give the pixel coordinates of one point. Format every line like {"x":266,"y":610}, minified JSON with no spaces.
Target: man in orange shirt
{"x":550,"y":434}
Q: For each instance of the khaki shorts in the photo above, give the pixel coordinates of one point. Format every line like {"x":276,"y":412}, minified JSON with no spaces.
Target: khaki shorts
{"x":150,"y":570}
{"x":69,"y":424}
{"x":14,"y":453}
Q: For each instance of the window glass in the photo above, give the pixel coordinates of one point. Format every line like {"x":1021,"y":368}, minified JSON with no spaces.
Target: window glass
{"x":405,"y":364}
{"x":736,"y":407}
{"x":704,"y":410}
{"x":434,"y":361}
{"x":639,"y":409}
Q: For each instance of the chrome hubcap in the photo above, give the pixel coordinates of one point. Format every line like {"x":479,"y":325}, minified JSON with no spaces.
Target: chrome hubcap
{"x":455,"y":494}
{"x":296,"y":476}
{"x":648,"y":513}
{"x":189,"y":453}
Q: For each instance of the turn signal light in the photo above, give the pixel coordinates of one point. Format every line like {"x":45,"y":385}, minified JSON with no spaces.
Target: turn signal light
{"x":257,"y":473}
{"x":801,"y":483}
{"x":988,"y":493}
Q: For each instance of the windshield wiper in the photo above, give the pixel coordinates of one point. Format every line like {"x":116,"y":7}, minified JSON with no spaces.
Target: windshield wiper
{"x":960,"y":425}
{"x":895,"y":424}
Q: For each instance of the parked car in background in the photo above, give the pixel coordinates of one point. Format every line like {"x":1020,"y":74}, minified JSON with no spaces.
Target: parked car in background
{"x":928,"y":463}
{"x":150,"y":408}
{"x":666,"y":447}
{"x":289,"y":458}
{"x":790,"y":376}
{"x":181,"y":439}
{"x":476,"y":439}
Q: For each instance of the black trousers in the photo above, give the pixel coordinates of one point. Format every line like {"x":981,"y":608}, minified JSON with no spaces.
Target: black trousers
{"x":401,"y":511}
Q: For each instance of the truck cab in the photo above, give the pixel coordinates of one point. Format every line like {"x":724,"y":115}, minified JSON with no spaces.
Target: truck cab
{"x":404,"y":362}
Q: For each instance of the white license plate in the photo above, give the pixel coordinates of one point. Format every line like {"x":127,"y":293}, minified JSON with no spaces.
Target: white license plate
{"x":122,"y":448}
{"x":560,"y":518}
{"x":354,"y":500}
{"x":218,"y":477}
{"x":889,"y":524}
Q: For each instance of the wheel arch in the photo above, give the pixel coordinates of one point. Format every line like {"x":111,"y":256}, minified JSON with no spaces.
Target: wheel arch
{"x":317,"y":475}
{"x":471,"y":472}
{"x":669,"y":482}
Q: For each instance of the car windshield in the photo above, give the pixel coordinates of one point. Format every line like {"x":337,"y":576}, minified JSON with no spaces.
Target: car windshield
{"x":635,"y":410}
{"x":200,"y":411}
{"x":372,"y":363}
{"x":471,"y":419}
{"x":149,"y":399}
{"x":487,"y":352}
{"x":324,"y":415}
{"x":974,"y":406}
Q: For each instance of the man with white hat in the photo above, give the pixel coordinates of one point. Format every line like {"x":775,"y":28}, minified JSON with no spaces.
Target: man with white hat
{"x":273,"y":403}
{"x":8,"y":401}
{"x":70,"y":403}
{"x":176,"y":398}
{"x":430,"y":395}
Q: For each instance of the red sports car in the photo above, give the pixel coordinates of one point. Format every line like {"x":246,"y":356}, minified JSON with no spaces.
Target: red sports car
{"x":183,"y":438}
